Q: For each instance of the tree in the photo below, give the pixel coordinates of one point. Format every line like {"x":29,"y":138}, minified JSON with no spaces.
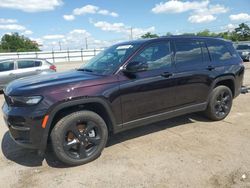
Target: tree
{"x":149,"y":35}
{"x":206,"y":33}
{"x":16,"y":43}
{"x":168,"y":34}
{"x":243,"y":32}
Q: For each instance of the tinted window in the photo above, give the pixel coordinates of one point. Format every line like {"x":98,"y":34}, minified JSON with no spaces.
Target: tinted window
{"x":188,"y":53}
{"x":156,"y":56}
{"x":109,"y":60}
{"x":219,"y":51}
{"x":6,"y":66}
{"x":243,"y":47}
{"x":28,"y":64}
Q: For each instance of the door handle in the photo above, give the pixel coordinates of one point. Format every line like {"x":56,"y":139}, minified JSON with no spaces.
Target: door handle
{"x":166,"y":74}
{"x":210,"y":68}
{"x":11,"y":74}
{"x":38,"y":70}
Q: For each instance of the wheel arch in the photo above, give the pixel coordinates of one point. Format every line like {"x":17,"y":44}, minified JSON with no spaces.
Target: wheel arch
{"x":228,"y":80}
{"x":97,"y":105}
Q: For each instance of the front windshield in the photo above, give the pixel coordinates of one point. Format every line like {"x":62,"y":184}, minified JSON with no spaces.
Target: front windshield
{"x":243,"y":47}
{"x":109,"y":60}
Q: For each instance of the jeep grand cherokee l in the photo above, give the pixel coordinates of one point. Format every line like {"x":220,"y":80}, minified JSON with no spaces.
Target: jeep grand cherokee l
{"x":128,"y":85}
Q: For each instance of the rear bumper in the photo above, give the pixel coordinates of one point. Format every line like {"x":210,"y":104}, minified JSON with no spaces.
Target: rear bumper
{"x":25,"y":126}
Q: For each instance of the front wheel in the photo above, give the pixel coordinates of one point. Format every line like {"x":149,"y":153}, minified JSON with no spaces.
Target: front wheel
{"x":79,"y":138}
{"x":220,"y":103}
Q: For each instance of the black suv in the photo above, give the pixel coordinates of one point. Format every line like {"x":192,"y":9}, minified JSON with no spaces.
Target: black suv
{"x":127,"y":85}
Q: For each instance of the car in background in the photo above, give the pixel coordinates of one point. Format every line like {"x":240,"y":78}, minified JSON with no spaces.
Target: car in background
{"x":12,"y":69}
{"x":244,"y":50}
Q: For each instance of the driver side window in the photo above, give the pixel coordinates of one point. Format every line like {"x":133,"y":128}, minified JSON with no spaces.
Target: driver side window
{"x":155,"y":56}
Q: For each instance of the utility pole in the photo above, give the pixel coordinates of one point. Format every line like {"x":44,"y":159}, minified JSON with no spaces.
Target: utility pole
{"x":86,"y":42}
{"x":131,"y":33}
{"x":60,"y":46}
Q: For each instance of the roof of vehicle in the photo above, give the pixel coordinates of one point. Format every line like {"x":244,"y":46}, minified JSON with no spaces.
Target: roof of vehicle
{"x":15,"y":59}
{"x":242,"y":43}
{"x":140,"y":41}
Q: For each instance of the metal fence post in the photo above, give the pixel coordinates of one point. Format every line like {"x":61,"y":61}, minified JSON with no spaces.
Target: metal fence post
{"x":81,"y":54}
{"x":94,"y":52}
{"x":68,"y":55}
{"x":53,"y":57}
{"x":17,"y":55}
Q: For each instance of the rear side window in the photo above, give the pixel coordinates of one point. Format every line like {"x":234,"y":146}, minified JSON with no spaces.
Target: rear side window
{"x":219,"y":51}
{"x":188,"y":53}
{"x":6,"y":66}
{"x":28,"y":64}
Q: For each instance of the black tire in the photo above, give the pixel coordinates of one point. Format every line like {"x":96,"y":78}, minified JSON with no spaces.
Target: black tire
{"x":79,"y":138}
{"x":220,"y":103}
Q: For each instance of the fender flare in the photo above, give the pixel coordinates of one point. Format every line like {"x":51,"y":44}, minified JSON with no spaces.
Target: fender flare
{"x":56,"y":108}
{"x":218,"y":79}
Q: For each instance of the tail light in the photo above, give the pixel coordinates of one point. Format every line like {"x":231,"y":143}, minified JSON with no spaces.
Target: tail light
{"x":52,"y":67}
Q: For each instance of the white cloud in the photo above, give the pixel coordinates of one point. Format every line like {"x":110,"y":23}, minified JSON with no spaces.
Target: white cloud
{"x":31,"y":5}
{"x":207,"y":14}
{"x":13,"y":27}
{"x":74,"y":39}
{"x":216,"y":9}
{"x":114,"y":14}
{"x":27,"y":32}
{"x":89,"y":9}
{"x":52,"y":37}
{"x":240,"y":17}
{"x":122,"y":28}
{"x":201,"y":11}
{"x":174,"y":6}
{"x":69,"y":17}
{"x":7,"y":21}
{"x":229,"y":27}
{"x":106,"y":26}
{"x":38,"y":40}
{"x":201,"y":18}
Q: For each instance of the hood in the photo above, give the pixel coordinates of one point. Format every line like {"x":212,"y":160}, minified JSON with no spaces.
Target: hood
{"x":48,"y":80}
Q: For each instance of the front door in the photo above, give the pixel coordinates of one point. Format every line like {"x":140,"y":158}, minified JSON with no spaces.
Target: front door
{"x":151,"y":92}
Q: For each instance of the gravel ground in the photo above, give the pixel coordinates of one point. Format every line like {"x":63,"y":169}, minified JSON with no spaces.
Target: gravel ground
{"x":188,"y":151}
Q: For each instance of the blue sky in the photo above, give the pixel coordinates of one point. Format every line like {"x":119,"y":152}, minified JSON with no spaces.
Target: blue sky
{"x":106,"y":22}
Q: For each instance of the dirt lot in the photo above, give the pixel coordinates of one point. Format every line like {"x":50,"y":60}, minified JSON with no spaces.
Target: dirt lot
{"x":187,"y":151}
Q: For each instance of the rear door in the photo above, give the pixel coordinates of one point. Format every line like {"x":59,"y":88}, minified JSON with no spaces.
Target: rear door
{"x":28,"y":68}
{"x":7,"y":72}
{"x":193,"y":72}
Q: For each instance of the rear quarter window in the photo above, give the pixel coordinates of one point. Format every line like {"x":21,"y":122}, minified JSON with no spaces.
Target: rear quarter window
{"x":219,"y":51}
{"x":6,"y":66}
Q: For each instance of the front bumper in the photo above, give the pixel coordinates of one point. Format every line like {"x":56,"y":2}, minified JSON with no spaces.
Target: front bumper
{"x":25,"y":125}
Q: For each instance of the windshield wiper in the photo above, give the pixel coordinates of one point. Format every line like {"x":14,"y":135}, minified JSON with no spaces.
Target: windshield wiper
{"x":86,"y":70}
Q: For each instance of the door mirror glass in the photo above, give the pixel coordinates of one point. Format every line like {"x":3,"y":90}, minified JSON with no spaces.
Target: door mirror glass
{"x":136,"y":66}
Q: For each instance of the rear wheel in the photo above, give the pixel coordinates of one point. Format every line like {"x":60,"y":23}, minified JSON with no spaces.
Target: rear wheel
{"x":79,"y":137}
{"x":220,"y":103}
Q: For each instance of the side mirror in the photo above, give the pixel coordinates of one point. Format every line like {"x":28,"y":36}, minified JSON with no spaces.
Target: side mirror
{"x":135,"y":66}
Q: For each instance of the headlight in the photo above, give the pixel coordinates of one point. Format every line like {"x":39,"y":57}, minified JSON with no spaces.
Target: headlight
{"x":245,"y":53}
{"x":20,"y":101}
